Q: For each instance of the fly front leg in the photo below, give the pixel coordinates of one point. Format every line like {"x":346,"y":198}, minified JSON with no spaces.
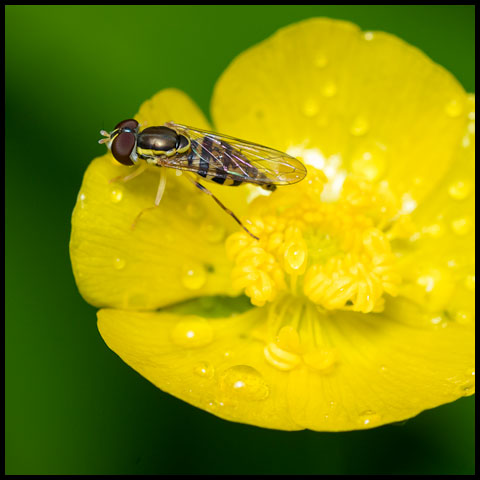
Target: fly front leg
{"x":138,"y":171}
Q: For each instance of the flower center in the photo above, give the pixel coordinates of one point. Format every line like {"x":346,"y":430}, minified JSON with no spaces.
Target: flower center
{"x":336,"y":254}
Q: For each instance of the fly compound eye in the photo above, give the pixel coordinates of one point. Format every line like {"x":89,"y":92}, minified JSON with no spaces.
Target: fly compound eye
{"x":129,"y":124}
{"x":122,"y":146}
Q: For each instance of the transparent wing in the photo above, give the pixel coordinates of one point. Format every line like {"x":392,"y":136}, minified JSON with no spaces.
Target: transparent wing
{"x":240,"y":159}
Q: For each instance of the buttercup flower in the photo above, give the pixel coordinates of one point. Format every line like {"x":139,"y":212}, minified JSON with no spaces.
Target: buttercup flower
{"x":362,"y":283}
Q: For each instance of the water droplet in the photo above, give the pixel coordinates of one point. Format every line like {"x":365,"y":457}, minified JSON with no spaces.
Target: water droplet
{"x":463,"y":317}
{"x":81,"y":197}
{"x":310,"y":108}
{"x":212,"y":232}
{"x":369,"y":418}
{"x":466,"y":141}
{"x":192,"y":333}
{"x":204,"y":369}
{"x":320,"y":60}
{"x":329,"y":90}
{"x":454,"y":108}
{"x":471,"y":128}
{"x":136,"y":300}
{"x":461,"y":226}
{"x":359,"y":126}
{"x":370,"y":164}
{"x":244,"y":382}
{"x":295,"y":256}
{"x":368,"y":36}
{"x":470,"y":282}
{"x":194,"y":276}
{"x":119,"y":263}
{"x":194,"y":210}
{"x":321,"y":360}
{"x":434,"y":230}
{"x":408,"y":204}
{"x":116,"y":195}
{"x":459,"y":190}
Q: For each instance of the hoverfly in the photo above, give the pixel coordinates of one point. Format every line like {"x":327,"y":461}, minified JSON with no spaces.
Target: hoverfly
{"x":217,"y":158}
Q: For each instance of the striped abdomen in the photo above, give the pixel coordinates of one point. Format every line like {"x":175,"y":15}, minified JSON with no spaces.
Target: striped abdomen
{"x":219,"y":162}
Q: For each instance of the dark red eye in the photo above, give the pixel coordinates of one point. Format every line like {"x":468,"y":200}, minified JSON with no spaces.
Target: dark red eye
{"x":131,"y":124}
{"x":122,"y":147}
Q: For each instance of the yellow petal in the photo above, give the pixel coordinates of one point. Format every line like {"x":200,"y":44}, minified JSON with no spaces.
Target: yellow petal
{"x":370,"y":371}
{"x":174,"y":252}
{"x":438,"y":261}
{"x":368,"y":101}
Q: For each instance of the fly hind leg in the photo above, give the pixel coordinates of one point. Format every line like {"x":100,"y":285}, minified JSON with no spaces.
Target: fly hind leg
{"x":208,"y":192}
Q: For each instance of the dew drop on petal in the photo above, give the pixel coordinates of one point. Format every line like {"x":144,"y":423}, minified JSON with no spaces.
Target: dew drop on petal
{"x":329,"y":89}
{"x":310,"y":108}
{"x":461,"y":226}
{"x":116,"y":195}
{"x":194,"y":210}
{"x":463,"y":317}
{"x":454,"y":108}
{"x":192,"y":333}
{"x":360,"y":126}
{"x":119,"y":263}
{"x":470,"y":282}
{"x":459,"y":190}
{"x":320,"y":60}
{"x":368,"y":36}
{"x":212,"y":232}
{"x":194,"y":276}
{"x":243,"y":382}
{"x":204,"y":369}
{"x":320,"y":360}
{"x":369,"y":418}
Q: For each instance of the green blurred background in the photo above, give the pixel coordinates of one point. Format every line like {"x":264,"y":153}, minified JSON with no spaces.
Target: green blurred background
{"x":72,"y":406}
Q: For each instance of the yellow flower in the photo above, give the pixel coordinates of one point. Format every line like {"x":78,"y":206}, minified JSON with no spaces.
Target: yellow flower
{"x":363,"y":278}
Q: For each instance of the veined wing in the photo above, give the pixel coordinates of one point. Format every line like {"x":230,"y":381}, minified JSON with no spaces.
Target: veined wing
{"x":239,"y":159}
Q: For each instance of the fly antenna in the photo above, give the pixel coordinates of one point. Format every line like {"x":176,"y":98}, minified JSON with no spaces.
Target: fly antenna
{"x":105,"y":134}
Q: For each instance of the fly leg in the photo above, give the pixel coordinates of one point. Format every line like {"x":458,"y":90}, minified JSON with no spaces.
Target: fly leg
{"x":158,"y":198}
{"x":208,"y":192}
{"x":139,"y":170}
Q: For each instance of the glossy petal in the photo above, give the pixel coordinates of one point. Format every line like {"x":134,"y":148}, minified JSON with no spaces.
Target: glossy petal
{"x":383,"y":371}
{"x":376,"y":104}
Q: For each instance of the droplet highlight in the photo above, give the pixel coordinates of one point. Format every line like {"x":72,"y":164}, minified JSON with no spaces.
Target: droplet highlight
{"x":310,"y":108}
{"x":359,"y":127}
{"x":192,"y":333}
{"x":321,"y":360}
{"x":329,"y":89}
{"x":243,"y":382}
{"x":461,"y":226}
{"x":194,"y":276}
{"x":204,"y":370}
{"x":213,"y":233}
{"x":369,"y":418}
{"x":459,"y":190}
{"x":119,"y":263}
{"x":454,"y":108}
{"x":116,"y":195}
